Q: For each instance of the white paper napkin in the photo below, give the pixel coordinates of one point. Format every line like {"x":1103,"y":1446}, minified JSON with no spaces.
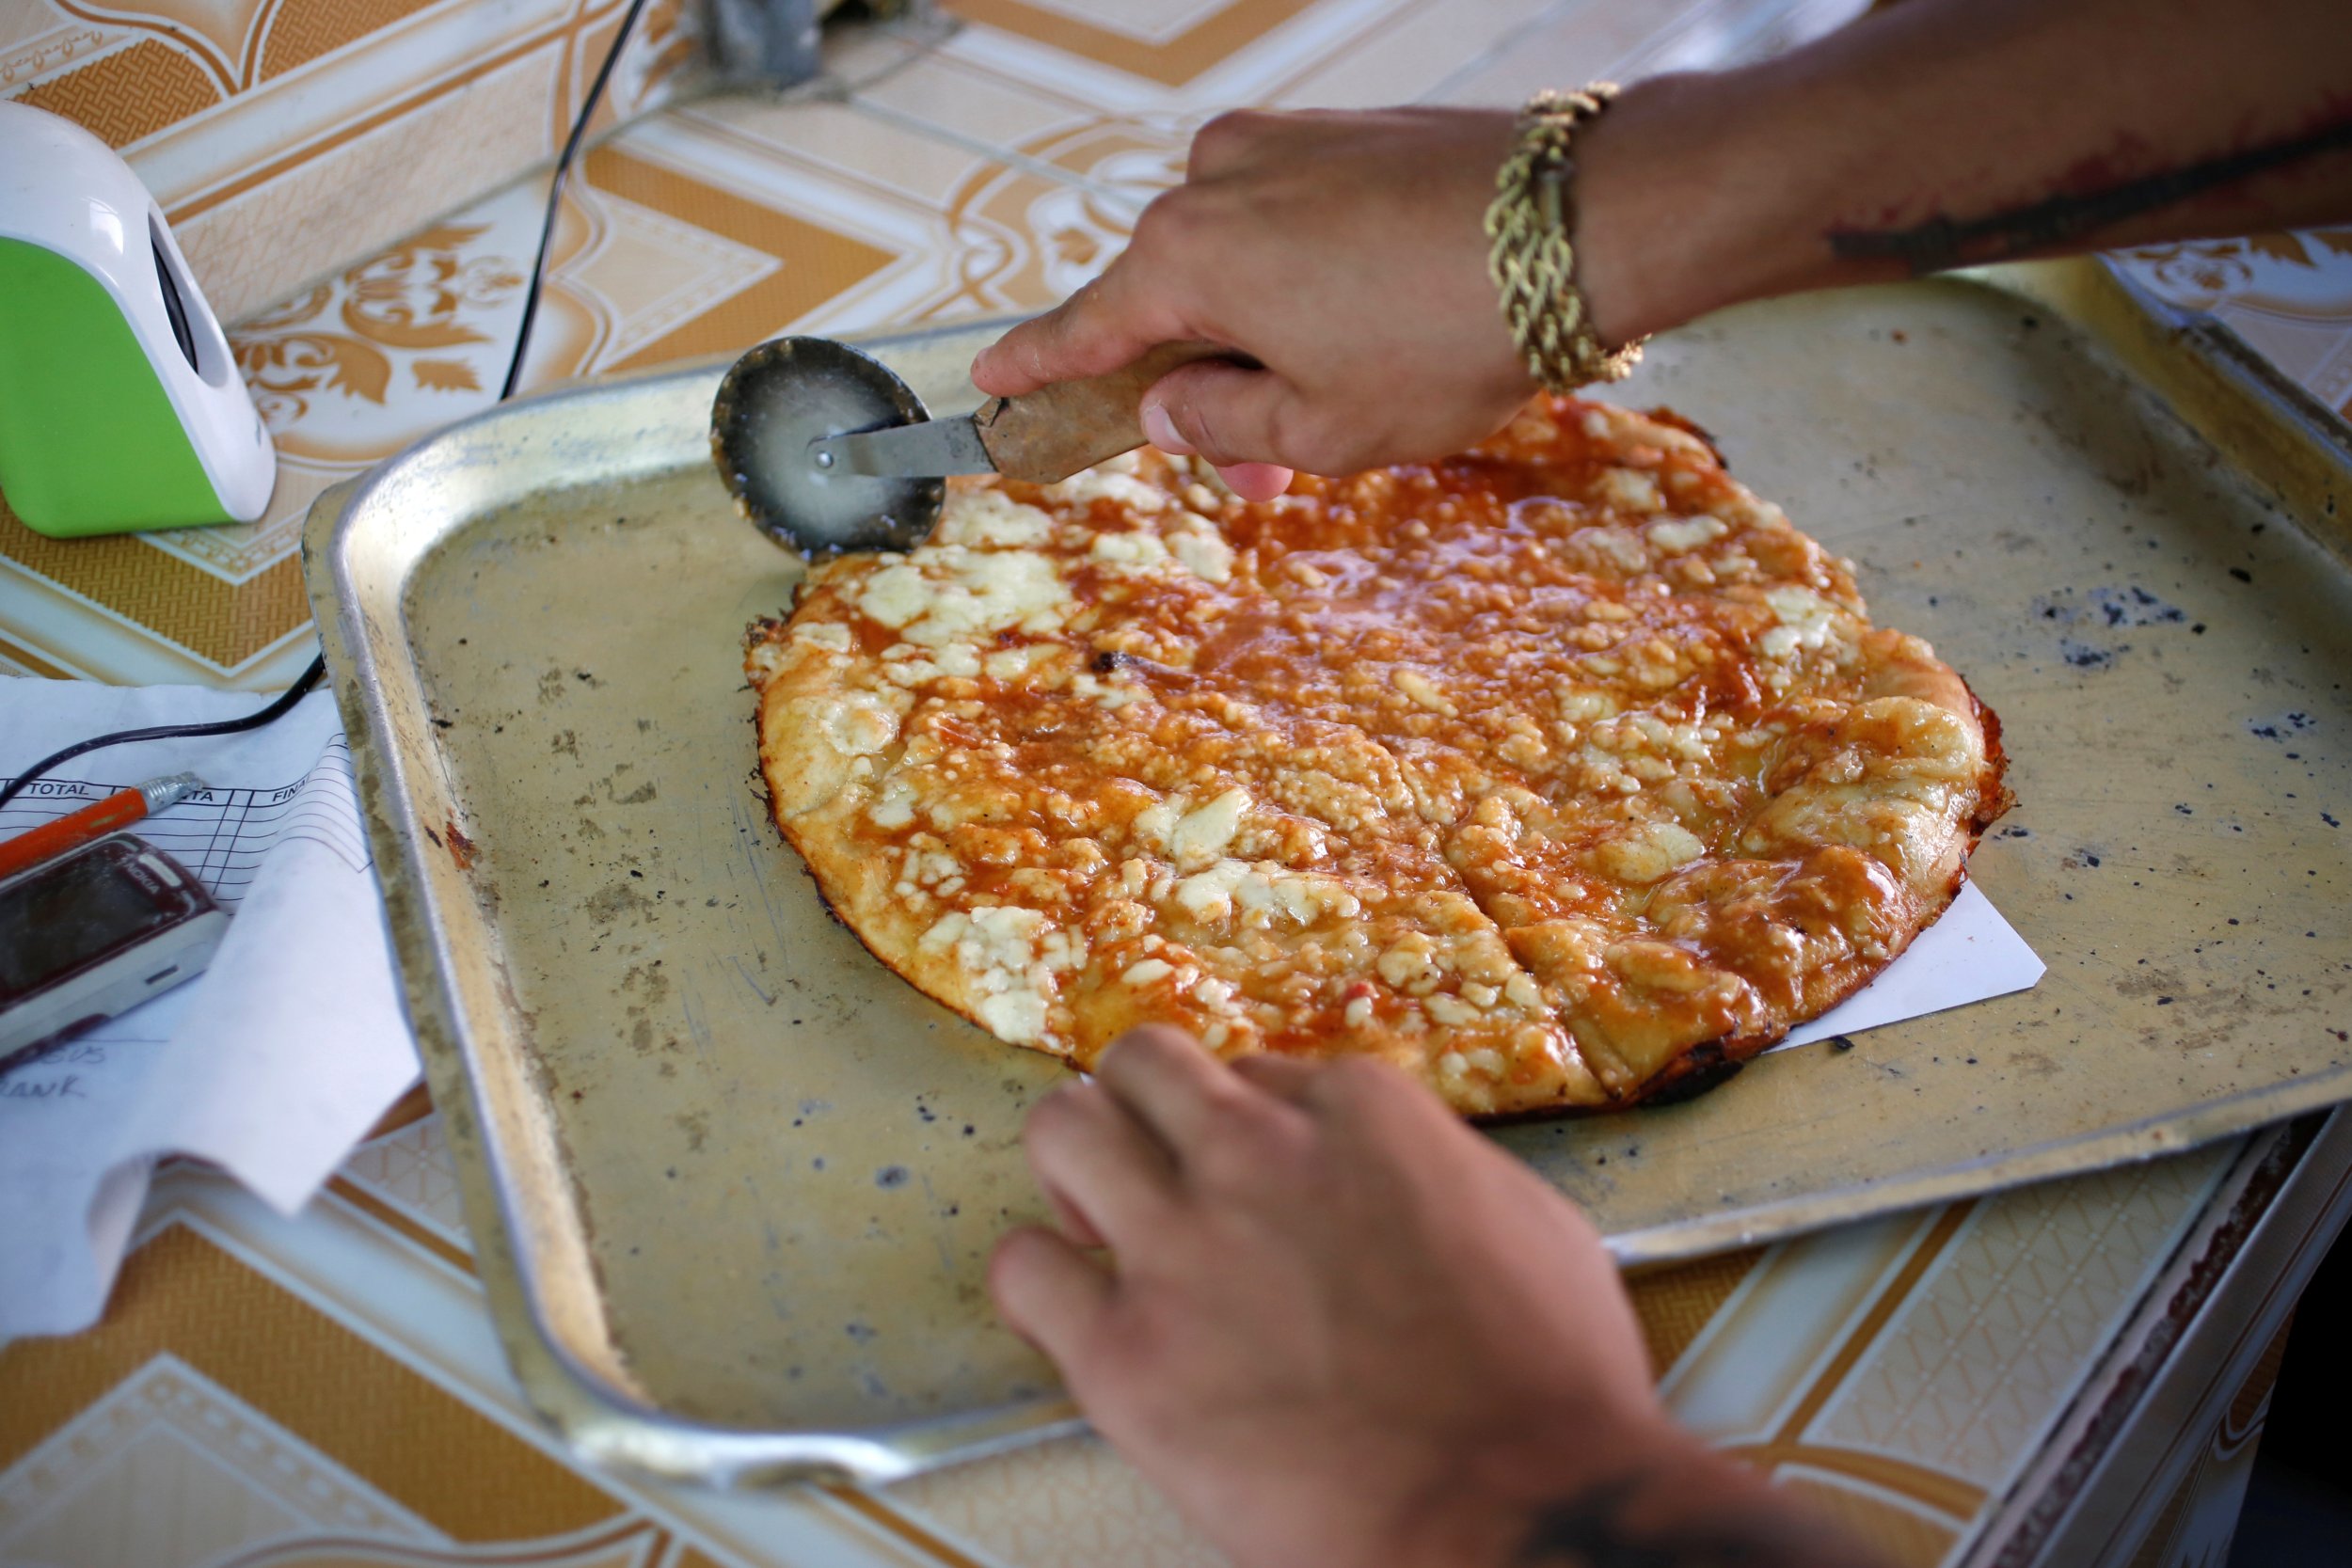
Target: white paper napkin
{"x":271,"y":1064}
{"x":1970,"y":955}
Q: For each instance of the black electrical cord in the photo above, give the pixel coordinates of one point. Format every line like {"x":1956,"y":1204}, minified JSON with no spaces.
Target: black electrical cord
{"x":555,"y":195}
{"x":316,"y":671}
{"x":285,"y":700}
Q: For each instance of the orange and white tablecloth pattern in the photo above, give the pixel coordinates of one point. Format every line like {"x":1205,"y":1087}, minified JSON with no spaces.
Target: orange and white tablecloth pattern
{"x":2288,"y":295}
{"x":328,"y":1389}
{"x":285,"y":137}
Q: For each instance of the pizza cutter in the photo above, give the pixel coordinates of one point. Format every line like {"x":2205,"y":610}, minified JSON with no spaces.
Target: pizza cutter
{"x":826,"y":448}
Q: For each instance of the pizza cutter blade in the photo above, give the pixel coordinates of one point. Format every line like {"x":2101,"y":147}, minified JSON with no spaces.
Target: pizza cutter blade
{"x":786,"y":395}
{"x":825,"y":449}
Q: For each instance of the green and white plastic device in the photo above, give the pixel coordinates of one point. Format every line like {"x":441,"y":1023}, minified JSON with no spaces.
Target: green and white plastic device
{"x":120,"y":408}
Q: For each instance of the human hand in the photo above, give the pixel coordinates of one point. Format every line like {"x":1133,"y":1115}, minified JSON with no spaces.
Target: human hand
{"x":1345,"y":253}
{"x":1344,"y":1329}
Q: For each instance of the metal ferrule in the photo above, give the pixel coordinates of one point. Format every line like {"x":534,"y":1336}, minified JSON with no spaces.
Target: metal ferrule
{"x":163,"y":793}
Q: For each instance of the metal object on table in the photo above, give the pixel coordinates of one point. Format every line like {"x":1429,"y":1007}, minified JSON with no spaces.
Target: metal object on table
{"x":780,"y":44}
{"x":825,"y":449}
{"x":732,"y":1185}
{"x":772,"y":43}
{"x":933,"y":446}
{"x":777,"y":404}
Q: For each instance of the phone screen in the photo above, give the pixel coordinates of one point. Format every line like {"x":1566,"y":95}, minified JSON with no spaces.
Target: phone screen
{"x":79,"y":910}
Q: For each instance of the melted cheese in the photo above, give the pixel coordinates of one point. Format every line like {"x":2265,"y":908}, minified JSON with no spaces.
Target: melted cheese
{"x":990,"y":518}
{"x":1203,"y":554}
{"x":955,"y":595}
{"x":1529,"y":777}
{"x":1203,"y":834}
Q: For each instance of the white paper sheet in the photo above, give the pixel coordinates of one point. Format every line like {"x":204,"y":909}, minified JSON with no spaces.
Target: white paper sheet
{"x":271,"y":1064}
{"x":1970,"y":955}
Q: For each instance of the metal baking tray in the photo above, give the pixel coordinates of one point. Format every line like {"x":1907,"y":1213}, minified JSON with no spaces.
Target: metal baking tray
{"x":732,"y":1185}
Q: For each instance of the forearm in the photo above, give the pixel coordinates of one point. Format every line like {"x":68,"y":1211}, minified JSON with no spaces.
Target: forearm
{"x":1943,"y":132}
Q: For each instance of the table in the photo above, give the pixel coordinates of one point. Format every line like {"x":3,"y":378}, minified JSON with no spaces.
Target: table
{"x":2070,"y":1373}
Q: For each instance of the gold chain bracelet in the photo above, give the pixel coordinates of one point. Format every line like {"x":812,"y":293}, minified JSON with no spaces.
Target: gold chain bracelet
{"x":1529,"y":255}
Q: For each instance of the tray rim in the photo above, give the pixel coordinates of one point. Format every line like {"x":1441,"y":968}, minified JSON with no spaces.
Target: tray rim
{"x":592,"y":1408}
{"x":2192,"y":364}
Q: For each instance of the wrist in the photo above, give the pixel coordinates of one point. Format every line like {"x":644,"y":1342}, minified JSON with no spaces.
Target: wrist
{"x":1678,"y":1501}
{"x":1491,"y":1503}
{"x":1683,"y":207}
{"x":1582,"y":1488}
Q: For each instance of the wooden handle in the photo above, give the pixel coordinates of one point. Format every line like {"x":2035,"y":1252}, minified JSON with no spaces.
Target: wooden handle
{"x":1056,"y":431}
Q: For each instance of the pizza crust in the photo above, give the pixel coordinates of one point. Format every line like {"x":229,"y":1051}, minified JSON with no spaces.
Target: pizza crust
{"x":1563,"y":774}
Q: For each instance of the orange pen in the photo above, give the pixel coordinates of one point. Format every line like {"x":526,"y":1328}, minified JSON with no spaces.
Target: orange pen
{"x":115,"y":812}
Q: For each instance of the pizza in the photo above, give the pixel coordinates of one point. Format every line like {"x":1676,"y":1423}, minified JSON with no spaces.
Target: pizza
{"x":1562,"y":773}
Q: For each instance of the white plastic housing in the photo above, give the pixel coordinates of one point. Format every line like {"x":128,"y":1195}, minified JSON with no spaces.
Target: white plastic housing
{"x":64,"y":190}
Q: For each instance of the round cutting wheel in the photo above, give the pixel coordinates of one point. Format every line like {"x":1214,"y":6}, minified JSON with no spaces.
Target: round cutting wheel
{"x":785,"y":394}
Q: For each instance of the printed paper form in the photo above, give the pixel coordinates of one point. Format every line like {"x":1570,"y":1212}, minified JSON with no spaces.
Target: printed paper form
{"x":222,"y":834}
{"x":272,"y":1063}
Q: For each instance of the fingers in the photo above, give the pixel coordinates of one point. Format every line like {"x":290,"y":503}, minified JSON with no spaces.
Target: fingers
{"x":1283,"y":1077}
{"x":1160,"y":430}
{"x":1232,"y":416}
{"x":1048,"y":1293}
{"x":1368,"y":1112}
{"x":1105,"y":324}
{"x":1251,"y":482}
{"x":1073,"y":1221}
{"x":1256,"y":481}
{"x":1232,"y":141}
{"x":1169,"y":1082}
{"x":1107,"y":1177}
{"x":1367,"y":1093}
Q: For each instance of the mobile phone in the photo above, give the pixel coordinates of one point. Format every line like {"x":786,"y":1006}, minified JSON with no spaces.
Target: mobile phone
{"x":95,"y":933}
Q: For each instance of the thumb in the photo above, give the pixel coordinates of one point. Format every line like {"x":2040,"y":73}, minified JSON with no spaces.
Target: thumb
{"x":1251,"y":482}
{"x":1235,"y":416}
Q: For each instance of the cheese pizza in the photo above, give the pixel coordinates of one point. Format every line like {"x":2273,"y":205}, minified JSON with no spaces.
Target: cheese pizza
{"x":1562,"y":773}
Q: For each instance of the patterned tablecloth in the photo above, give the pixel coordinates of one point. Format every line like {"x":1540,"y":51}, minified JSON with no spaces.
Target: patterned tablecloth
{"x":328,"y":1390}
